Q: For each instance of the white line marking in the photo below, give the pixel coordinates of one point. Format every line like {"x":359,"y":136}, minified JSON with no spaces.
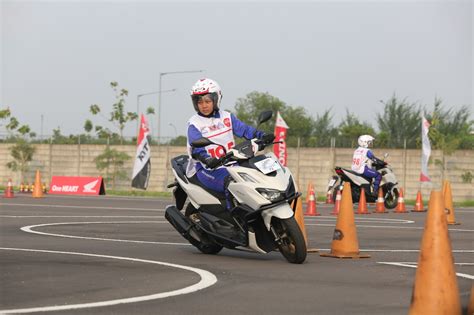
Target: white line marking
{"x":207,"y":279}
{"x":83,"y":216}
{"x":29,"y":229}
{"x":462,"y":275}
{"x":81,"y":207}
{"x":415,"y":263}
{"x":387,"y":227}
{"x":362,"y":219}
{"x":401,"y":250}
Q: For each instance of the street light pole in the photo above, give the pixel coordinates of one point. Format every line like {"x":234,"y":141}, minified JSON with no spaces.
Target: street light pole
{"x":138,"y":102}
{"x":159,"y":95}
{"x":175,"y":130}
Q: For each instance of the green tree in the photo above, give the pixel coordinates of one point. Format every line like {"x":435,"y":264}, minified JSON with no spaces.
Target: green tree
{"x":323,"y":130}
{"x":300,"y":123}
{"x":179,"y":141}
{"x":13,"y":126}
{"x":351,"y":128}
{"x":112,"y":161}
{"x":249,"y":108}
{"x":399,"y":121}
{"x":118,"y":116}
{"x":22,"y":153}
{"x":450,"y":130}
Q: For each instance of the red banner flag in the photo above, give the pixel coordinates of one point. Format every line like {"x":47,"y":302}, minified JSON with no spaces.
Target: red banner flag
{"x":280,"y":135}
{"x":142,"y":166}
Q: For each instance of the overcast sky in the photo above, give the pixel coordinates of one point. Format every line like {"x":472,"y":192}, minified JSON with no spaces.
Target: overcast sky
{"x":58,"y":57}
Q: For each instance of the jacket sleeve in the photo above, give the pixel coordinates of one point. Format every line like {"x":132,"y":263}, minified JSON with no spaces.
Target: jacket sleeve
{"x":199,"y":154}
{"x":243,"y":130}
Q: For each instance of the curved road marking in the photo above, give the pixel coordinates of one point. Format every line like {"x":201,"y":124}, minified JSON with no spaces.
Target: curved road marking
{"x":29,"y":229}
{"x":362,"y":219}
{"x":83,"y":216}
{"x":80,"y":207}
{"x":409,"y":265}
{"x":388,"y":227}
{"x":207,"y":279}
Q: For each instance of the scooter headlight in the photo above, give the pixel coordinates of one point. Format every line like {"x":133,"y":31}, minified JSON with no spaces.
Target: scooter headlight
{"x":271,"y":194}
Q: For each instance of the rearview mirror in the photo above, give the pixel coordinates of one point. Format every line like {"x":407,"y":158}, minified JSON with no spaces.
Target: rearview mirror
{"x":264,"y":116}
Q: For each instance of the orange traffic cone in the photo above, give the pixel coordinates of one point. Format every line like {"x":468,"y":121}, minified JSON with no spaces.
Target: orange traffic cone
{"x":344,"y":241}
{"x":310,"y":185}
{"x":436,"y":289}
{"x":401,"y":203}
{"x":329,"y":197}
{"x":22,"y":188}
{"x":418,"y":203}
{"x":311,"y":207}
{"x":380,"y":203}
{"x":448,"y":203}
{"x":470,"y":307}
{"x":9,"y":190}
{"x":299,"y":217}
{"x":37,"y":191}
{"x":337,"y":204}
{"x":362,"y":207}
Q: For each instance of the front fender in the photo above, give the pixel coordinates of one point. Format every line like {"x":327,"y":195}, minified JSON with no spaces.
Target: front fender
{"x":282,"y":211}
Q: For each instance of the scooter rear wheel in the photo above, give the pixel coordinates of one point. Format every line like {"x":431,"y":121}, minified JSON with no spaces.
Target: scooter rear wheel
{"x":291,"y":244}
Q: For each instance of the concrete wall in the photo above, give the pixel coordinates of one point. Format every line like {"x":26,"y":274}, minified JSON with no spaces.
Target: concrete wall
{"x":306,"y":164}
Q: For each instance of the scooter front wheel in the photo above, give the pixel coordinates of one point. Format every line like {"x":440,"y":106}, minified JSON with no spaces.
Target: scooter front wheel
{"x":391,"y":199}
{"x":290,"y":240}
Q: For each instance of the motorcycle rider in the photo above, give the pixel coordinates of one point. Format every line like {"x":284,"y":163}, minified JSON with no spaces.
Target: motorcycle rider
{"x":362,"y":161}
{"x":220,"y":126}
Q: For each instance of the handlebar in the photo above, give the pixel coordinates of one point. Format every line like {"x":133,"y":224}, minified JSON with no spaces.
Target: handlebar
{"x":245,"y":148}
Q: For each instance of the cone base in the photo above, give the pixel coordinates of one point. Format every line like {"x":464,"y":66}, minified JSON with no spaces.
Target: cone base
{"x":348,"y":255}
{"x":312,"y":250}
{"x":418,"y":210}
{"x":334,"y":213}
{"x":454,"y":223}
{"x":365,"y":212}
{"x":312,"y":214}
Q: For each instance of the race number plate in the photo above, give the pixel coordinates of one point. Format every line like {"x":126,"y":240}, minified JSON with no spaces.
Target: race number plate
{"x":268,"y":165}
{"x":331,"y":182}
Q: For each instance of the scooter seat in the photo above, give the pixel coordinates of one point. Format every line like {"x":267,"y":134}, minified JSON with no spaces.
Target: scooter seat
{"x":180,"y":164}
{"x":369,"y":179}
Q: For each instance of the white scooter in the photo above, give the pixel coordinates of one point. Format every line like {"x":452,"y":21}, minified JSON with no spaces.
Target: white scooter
{"x":261,"y":189}
{"x":389,"y":183}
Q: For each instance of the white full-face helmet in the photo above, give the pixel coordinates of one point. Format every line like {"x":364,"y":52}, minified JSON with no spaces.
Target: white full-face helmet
{"x":365,"y":141}
{"x":203,"y":87}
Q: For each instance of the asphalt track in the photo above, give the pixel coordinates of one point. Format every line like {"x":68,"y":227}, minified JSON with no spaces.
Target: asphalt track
{"x":112,"y":255}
